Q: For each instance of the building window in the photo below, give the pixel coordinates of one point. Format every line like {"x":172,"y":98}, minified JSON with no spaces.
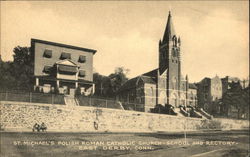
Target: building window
{"x":47,"y":53}
{"x":82,"y":73}
{"x":152,"y":95}
{"x":47,"y":69}
{"x":82,"y":59}
{"x":65,"y":55}
{"x":205,"y":96}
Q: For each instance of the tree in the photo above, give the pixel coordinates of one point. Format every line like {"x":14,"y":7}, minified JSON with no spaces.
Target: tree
{"x":102,"y":85}
{"x":7,"y":80}
{"x":107,"y":86}
{"x":237,"y":98}
{"x":118,"y":78}
{"x":19,"y":73}
{"x":23,"y":68}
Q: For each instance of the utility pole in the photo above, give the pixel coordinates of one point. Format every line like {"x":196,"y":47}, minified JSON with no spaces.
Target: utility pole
{"x":185,"y":121}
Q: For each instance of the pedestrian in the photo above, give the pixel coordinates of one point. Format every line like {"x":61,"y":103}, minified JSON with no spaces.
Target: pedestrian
{"x":43,"y":127}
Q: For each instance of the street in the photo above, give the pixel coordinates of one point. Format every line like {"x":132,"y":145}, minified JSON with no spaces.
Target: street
{"x":197,"y":144}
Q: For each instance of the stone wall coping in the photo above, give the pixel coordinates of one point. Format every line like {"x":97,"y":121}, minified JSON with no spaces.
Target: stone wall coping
{"x":107,"y":109}
{"x":229,"y":119}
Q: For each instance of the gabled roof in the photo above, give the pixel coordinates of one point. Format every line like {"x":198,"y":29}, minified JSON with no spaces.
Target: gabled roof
{"x":204,"y":80}
{"x":66,"y":62}
{"x":133,"y":82}
{"x":152,"y":73}
{"x":147,"y":79}
{"x":129,"y":84}
{"x":62,"y":45}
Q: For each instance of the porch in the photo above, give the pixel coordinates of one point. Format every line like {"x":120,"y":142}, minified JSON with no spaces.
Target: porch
{"x":49,"y":84}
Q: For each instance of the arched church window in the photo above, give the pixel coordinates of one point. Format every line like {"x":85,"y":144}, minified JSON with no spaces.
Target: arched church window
{"x":174,"y":82}
{"x":174,"y":39}
{"x":152,"y":95}
{"x":174,"y":53}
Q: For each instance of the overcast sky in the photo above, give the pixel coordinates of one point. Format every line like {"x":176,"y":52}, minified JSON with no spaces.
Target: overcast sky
{"x":214,"y":34}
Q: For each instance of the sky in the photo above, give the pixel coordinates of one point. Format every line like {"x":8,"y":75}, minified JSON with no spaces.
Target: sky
{"x":214,"y":34}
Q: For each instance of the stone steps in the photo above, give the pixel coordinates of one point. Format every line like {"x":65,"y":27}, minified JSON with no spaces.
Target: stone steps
{"x":71,"y":101}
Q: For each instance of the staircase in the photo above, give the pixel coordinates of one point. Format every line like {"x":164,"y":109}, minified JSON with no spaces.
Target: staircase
{"x":197,"y":114}
{"x":205,"y":114}
{"x":178,"y":111}
{"x":70,"y":101}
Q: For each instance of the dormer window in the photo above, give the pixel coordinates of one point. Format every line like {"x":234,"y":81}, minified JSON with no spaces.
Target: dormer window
{"x":65,"y":55}
{"x":82,"y":59}
{"x":82,"y":73}
{"x":47,"y":53}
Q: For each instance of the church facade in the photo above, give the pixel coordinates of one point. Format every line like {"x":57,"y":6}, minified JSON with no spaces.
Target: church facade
{"x":164,"y":85}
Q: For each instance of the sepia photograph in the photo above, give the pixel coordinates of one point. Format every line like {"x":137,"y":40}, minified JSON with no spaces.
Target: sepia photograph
{"x":124,"y":78}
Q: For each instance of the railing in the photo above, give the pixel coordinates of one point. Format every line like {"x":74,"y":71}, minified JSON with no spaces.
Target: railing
{"x":208,"y":116}
{"x":59,"y":99}
{"x":133,"y":106}
{"x":105,"y":103}
{"x":33,"y":97}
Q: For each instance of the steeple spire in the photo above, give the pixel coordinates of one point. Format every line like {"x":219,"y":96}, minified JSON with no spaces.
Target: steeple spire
{"x":169,"y":30}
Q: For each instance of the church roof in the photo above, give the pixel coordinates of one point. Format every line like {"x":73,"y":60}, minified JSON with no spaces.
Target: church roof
{"x":133,"y":82}
{"x":192,"y":86}
{"x":128,"y":84}
{"x":147,"y":79}
{"x":152,"y":73}
{"x":169,"y":30}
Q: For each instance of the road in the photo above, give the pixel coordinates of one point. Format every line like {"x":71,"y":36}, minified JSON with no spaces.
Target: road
{"x":202,"y":144}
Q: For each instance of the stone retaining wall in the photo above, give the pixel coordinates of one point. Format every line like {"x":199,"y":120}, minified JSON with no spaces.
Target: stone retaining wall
{"x":18,"y":116}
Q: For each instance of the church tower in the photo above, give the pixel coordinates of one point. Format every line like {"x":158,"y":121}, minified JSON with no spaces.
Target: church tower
{"x":169,"y":66}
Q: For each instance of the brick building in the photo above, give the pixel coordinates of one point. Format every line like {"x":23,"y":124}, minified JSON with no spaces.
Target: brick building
{"x":62,"y":68}
{"x":209,"y":94}
{"x":192,"y":95}
{"x":164,"y":85}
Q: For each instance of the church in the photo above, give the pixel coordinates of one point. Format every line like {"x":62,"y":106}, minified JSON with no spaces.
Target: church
{"x":164,"y":85}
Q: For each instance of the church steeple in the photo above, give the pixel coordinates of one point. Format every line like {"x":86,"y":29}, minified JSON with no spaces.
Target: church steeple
{"x":169,"y":30}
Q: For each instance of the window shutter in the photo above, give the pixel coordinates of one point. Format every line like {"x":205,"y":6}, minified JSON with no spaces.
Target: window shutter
{"x":47,"y":53}
{"x":47,"y":69}
{"x":82,"y":59}
{"x":65,"y":55}
{"x":82,"y":73}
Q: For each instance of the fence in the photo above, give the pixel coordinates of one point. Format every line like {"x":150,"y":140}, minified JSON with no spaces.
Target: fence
{"x":106,"y":103}
{"x":59,"y":99}
{"x":33,"y":97}
{"x":96,"y":102}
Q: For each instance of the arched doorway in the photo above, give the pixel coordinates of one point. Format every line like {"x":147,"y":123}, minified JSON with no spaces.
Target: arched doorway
{"x":183,"y":99}
{"x":162,"y":98}
{"x":173,"y":99}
